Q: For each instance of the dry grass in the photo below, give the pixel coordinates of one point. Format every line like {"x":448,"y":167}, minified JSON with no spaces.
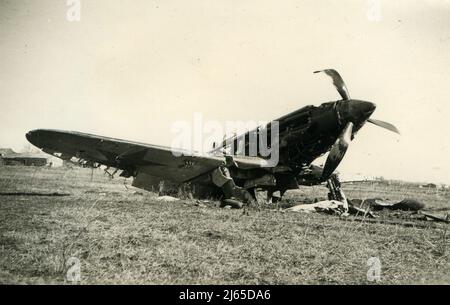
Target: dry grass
{"x":126,"y":236}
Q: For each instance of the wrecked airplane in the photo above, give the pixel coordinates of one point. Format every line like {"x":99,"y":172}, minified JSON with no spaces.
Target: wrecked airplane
{"x":303,"y":136}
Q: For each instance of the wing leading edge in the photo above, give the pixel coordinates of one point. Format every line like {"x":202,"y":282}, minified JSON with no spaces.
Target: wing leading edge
{"x":126,"y":155}
{"x":164,"y":162}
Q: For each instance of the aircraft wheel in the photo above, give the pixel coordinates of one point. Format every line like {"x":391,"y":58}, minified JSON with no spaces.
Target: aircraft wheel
{"x":234,"y":204}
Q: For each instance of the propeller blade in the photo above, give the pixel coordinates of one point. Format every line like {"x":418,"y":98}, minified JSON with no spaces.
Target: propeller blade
{"x":338,"y":151}
{"x":385,"y":125}
{"x":338,"y":82}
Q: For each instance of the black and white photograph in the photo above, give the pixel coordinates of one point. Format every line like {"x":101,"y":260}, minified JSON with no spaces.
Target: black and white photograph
{"x":222,"y":143}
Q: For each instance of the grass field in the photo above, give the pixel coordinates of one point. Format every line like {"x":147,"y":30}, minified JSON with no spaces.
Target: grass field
{"x":123,"y":235}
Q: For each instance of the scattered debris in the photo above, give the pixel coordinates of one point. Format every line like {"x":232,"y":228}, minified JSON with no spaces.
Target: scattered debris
{"x":336,"y":207}
{"x":325,"y":205}
{"x":408,"y":224}
{"x":331,"y":207}
{"x":404,"y":205}
{"x":167,"y":198}
{"x":199,"y":204}
{"x":434,"y":217}
{"x":359,"y":211}
{"x":137,"y":193}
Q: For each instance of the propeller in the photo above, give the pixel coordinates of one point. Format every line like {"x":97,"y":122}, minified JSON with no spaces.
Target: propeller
{"x":353,"y":112}
{"x":337,"y":151}
{"x":338,"y":82}
{"x":384,"y":125}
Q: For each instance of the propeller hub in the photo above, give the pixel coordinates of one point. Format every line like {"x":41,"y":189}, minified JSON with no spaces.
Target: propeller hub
{"x":355,"y":111}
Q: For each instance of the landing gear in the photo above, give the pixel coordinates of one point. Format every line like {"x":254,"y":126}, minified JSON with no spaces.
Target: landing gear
{"x":335,"y":191}
{"x":234,"y":204}
{"x":233,"y":194}
{"x":274,"y":196}
{"x":110,"y":175}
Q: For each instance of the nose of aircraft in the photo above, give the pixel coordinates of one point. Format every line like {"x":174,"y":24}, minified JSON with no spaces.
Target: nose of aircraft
{"x":363,"y":107}
{"x":357,"y":111}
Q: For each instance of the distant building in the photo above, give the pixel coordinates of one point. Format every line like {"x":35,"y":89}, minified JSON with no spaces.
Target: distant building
{"x":430,"y":185}
{"x":7,"y":152}
{"x":10,"y":157}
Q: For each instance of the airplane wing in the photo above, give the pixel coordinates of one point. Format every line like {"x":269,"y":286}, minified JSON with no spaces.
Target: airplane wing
{"x":126,"y":155}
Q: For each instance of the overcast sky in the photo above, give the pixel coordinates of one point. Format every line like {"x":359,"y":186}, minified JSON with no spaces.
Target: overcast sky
{"x":129,"y":69}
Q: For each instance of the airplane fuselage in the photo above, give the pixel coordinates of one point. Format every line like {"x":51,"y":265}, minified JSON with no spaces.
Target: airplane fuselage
{"x":305,"y":135}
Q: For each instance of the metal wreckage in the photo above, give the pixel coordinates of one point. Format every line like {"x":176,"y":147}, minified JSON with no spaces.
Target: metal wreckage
{"x":303,"y":136}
